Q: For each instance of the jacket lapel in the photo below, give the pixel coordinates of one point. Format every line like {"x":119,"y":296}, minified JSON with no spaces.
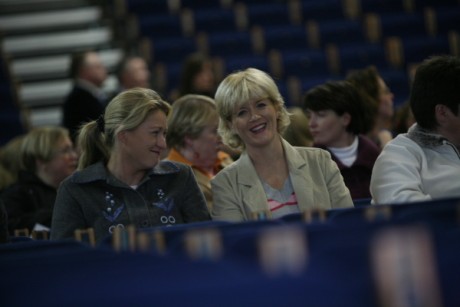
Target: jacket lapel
{"x":253,"y":194}
{"x":300,"y":178}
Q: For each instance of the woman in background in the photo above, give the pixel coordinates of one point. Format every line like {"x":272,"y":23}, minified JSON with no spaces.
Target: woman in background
{"x":338,"y":121}
{"x":193,"y":139}
{"x":47,"y":157}
{"x":377,"y":94}
{"x":197,"y":76}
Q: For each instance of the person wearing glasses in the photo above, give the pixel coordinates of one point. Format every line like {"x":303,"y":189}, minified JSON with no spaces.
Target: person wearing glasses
{"x":47,"y":157}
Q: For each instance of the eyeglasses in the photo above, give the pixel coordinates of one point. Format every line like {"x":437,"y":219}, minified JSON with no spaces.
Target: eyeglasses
{"x":65,"y":151}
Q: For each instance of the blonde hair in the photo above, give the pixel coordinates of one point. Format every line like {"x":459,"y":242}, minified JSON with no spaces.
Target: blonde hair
{"x":40,"y":144}
{"x":189,"y":116}
{"x":239,"y":88}
{"x":10,"y":161}
{"x":125,"y":112}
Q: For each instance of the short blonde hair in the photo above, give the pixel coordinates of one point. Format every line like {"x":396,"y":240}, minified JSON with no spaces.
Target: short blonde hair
{"x":239,"y":88}
{"x":40,"y":144}
{"x":125,"y":112}
{"x":189,"y":116}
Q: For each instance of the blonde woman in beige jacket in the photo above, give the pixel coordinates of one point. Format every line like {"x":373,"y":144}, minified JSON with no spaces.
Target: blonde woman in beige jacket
{"x":271,"y":176}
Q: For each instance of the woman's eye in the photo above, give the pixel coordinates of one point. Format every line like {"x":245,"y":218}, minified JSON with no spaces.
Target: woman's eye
{"x":261,"y":105}
{"x":241,"y":113}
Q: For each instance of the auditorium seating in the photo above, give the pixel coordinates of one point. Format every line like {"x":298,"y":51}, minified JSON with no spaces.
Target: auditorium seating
{"x":335,"y":260}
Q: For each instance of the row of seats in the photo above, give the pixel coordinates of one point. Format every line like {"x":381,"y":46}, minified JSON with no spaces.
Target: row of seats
{"x":305,"y":40}
{"x":362,"y":256}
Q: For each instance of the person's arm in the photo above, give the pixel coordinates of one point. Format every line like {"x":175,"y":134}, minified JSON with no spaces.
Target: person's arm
{"x":338,"y":191}
{"x":194,"y":207}
{"x":67,"y":214}
{"x":396,"y":176}
{"x":226,"y":205}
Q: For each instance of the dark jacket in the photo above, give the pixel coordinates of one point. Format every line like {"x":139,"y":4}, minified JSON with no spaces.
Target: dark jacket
{"x":28,"y":201}
{"x":80,"y":107}
{"x":3,"y":224}
{"x":168,"y":195}
{"x":357,"y":177}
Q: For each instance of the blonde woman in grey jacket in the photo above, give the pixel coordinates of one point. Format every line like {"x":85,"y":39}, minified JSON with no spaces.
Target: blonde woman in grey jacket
{"x":120,"y":179}
{"x":271,"y":176}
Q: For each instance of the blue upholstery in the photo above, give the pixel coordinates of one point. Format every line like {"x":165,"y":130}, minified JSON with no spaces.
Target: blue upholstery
{"x":285,"y":37}
{"x":214,"y":20}
{"x":235,"y":63}
{"x":230,"y":43}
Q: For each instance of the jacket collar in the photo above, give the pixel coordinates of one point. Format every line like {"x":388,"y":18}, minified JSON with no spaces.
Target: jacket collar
{"x":424,"y":137}
{"x":253,"y":189}
{"x":98,"y":171}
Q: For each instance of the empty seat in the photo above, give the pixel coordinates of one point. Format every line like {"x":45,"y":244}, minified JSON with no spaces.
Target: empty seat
{"x":360,"y":55}
{"x":340,"y":31}
{"x":234,"y":63}
{"x":402,"y":24}
{"x":160,"y":26}
{"x":214,"y":20}
{"x":322,"y":10}
{"x":268,"y":14}
{"x":172,"y":49}
{"x":285,"y":37}
{"x":230,"y":43}
{"x":417,"y":48}
{"x":448,"y":18}
{"x":303,"y":63}
{"x":147,"y":7}
{"x":382,"y":6}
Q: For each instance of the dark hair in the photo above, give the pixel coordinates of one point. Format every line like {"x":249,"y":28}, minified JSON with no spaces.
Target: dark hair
{"x":341,"y":97}
{"x":123,"y":65}
{"x":77,"y":62}
{"x":192,"y":65}
{"x":436,"y":81}
{"x":366,"y":79}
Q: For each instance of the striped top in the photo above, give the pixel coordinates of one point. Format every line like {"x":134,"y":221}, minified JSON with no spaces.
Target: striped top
{"x":281,"y":202}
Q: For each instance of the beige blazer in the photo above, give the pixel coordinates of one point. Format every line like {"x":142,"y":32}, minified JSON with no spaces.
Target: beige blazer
{"x":316,"y":179}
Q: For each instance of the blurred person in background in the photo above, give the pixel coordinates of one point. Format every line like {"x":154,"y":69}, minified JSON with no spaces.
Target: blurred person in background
{"x":197,"y":76}
{"x":87,"y":100}
{"x":133,"y":71}
{"x":10,"y":162}
{"x":298,"y":132}
{"x":193,"y":139}
{"x":403,"y":119}
{"x":47,"y":158}
{"x":376,"y":92}
{"x":338,"y":121}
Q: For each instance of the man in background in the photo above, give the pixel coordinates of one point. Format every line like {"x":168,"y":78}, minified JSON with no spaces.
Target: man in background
{"x":87,"y":100}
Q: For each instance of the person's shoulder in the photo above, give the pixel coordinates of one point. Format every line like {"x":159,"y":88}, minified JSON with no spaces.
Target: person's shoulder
{"x":166,"y":167}
{"x":312,"y":152}
{"x":91,"y":173}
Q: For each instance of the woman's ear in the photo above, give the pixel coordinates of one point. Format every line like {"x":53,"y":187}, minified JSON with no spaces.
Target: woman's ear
{"x":346,"y":119}
{"x":121,"y":137}
{"x":188,"y":141}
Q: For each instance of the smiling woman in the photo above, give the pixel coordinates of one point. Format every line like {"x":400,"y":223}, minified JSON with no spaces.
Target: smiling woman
{"x":121,"y":180}
{"x":271,"y":176}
